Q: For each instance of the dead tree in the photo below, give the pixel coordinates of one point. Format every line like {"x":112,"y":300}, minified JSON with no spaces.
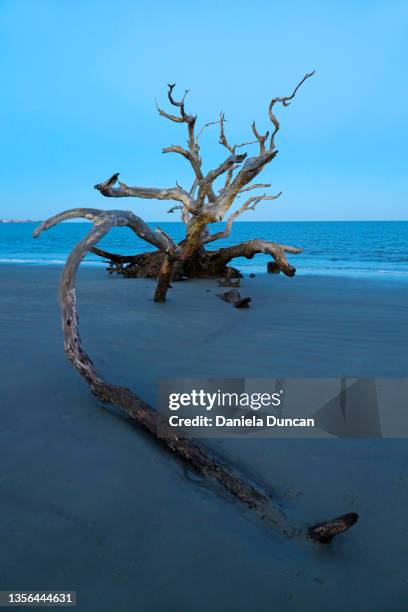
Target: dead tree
{"x":199,"y":206}
{"x":208,"y":200}
{"x":198,"y":457}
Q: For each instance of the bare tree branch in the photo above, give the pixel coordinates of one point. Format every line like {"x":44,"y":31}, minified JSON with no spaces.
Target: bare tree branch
{"x":251,"y":247}
{"x":114,"y":218}
{"x":261,"y":139}
{"x":203,"y":203}
{"x":196,"y":455}
{"x":174,"y":208}
{"x":192,"y":155}
{"x":255,"y":186}
{"x":250,"y":204}
{"x":253,"y":165}
{"x":285,"y":101}
{"x":206,"y":125}
{"x":205,"y":186}
{"x":250,"y":169}
{"x":123,"y":191}
{"x":223,"y":139}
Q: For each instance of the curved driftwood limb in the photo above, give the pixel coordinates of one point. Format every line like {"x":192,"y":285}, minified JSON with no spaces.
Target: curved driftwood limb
{"x":249,"y":248}
{"x":151,"y":193}
{"x":325,"y":532}
{"x":197,"y":456}
{"x":115,"y":218}
{"x":104,"y":221}
{"x":285,"y":101}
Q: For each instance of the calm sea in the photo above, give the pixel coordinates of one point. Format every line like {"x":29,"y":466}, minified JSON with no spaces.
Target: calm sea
{"x":351,"y":248}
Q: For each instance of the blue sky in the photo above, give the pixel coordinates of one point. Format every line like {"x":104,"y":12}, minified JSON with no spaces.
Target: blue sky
{"x":79,"y":79}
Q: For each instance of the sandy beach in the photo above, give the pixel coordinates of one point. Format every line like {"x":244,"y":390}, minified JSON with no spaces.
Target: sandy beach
{"x":91,"y":503}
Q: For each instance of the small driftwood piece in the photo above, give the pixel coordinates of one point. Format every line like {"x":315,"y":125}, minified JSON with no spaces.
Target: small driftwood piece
{"x":196,"y":456}
{"x":325,"y":532}
{"x":234,"y":297}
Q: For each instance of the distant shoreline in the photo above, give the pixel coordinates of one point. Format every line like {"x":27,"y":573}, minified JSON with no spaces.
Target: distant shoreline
{"x":18,"y":221}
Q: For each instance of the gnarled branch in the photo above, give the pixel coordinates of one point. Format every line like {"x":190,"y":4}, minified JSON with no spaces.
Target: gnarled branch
{"x":285,"y":101}
{"x":192,"y":155}
{"x":196,"y":455}
{"x":250,"y":204}
{"x":251,"y":247}
{"x":123,"y":191}
{"x":104,"y":221}
{"x":262,"y":138}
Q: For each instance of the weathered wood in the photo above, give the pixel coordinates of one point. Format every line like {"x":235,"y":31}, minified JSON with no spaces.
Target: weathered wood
{"x":234,"y":297}
{"x":200,"y":206}
{"x":273,"y":267}
{"x":105,"y":220}
{"x":251,"y":247}
{"x":199,"y":458}
{"x":204,"y":203}
{"x":207,"y":264}
{"x":164,"y":279}
{"x":326,"y":531}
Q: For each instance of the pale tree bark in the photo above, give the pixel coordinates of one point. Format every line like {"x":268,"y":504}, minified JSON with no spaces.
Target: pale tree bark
{"x":209,"y":198}
{"x":201,"y":205}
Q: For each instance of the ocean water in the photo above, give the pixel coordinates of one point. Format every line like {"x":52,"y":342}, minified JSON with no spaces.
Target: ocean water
{"x":350,"y":248}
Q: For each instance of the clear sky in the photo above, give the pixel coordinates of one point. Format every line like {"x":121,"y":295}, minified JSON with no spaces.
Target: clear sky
{"x":79,"y":80}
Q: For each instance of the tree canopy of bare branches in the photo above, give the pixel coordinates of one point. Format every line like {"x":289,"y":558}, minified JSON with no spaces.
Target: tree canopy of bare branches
{"x":209,"y":198}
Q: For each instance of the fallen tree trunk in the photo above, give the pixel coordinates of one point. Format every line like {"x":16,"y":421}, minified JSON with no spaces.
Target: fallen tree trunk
{"x":199,"y":458}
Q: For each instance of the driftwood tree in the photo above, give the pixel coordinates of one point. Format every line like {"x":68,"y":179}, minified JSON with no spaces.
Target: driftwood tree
{"x":199,"y":207}
{"x":208,"y":200}
{"x":196,"y":455}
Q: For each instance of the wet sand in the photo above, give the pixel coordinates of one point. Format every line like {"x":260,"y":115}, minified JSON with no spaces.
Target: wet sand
{"x":90,"y":503}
